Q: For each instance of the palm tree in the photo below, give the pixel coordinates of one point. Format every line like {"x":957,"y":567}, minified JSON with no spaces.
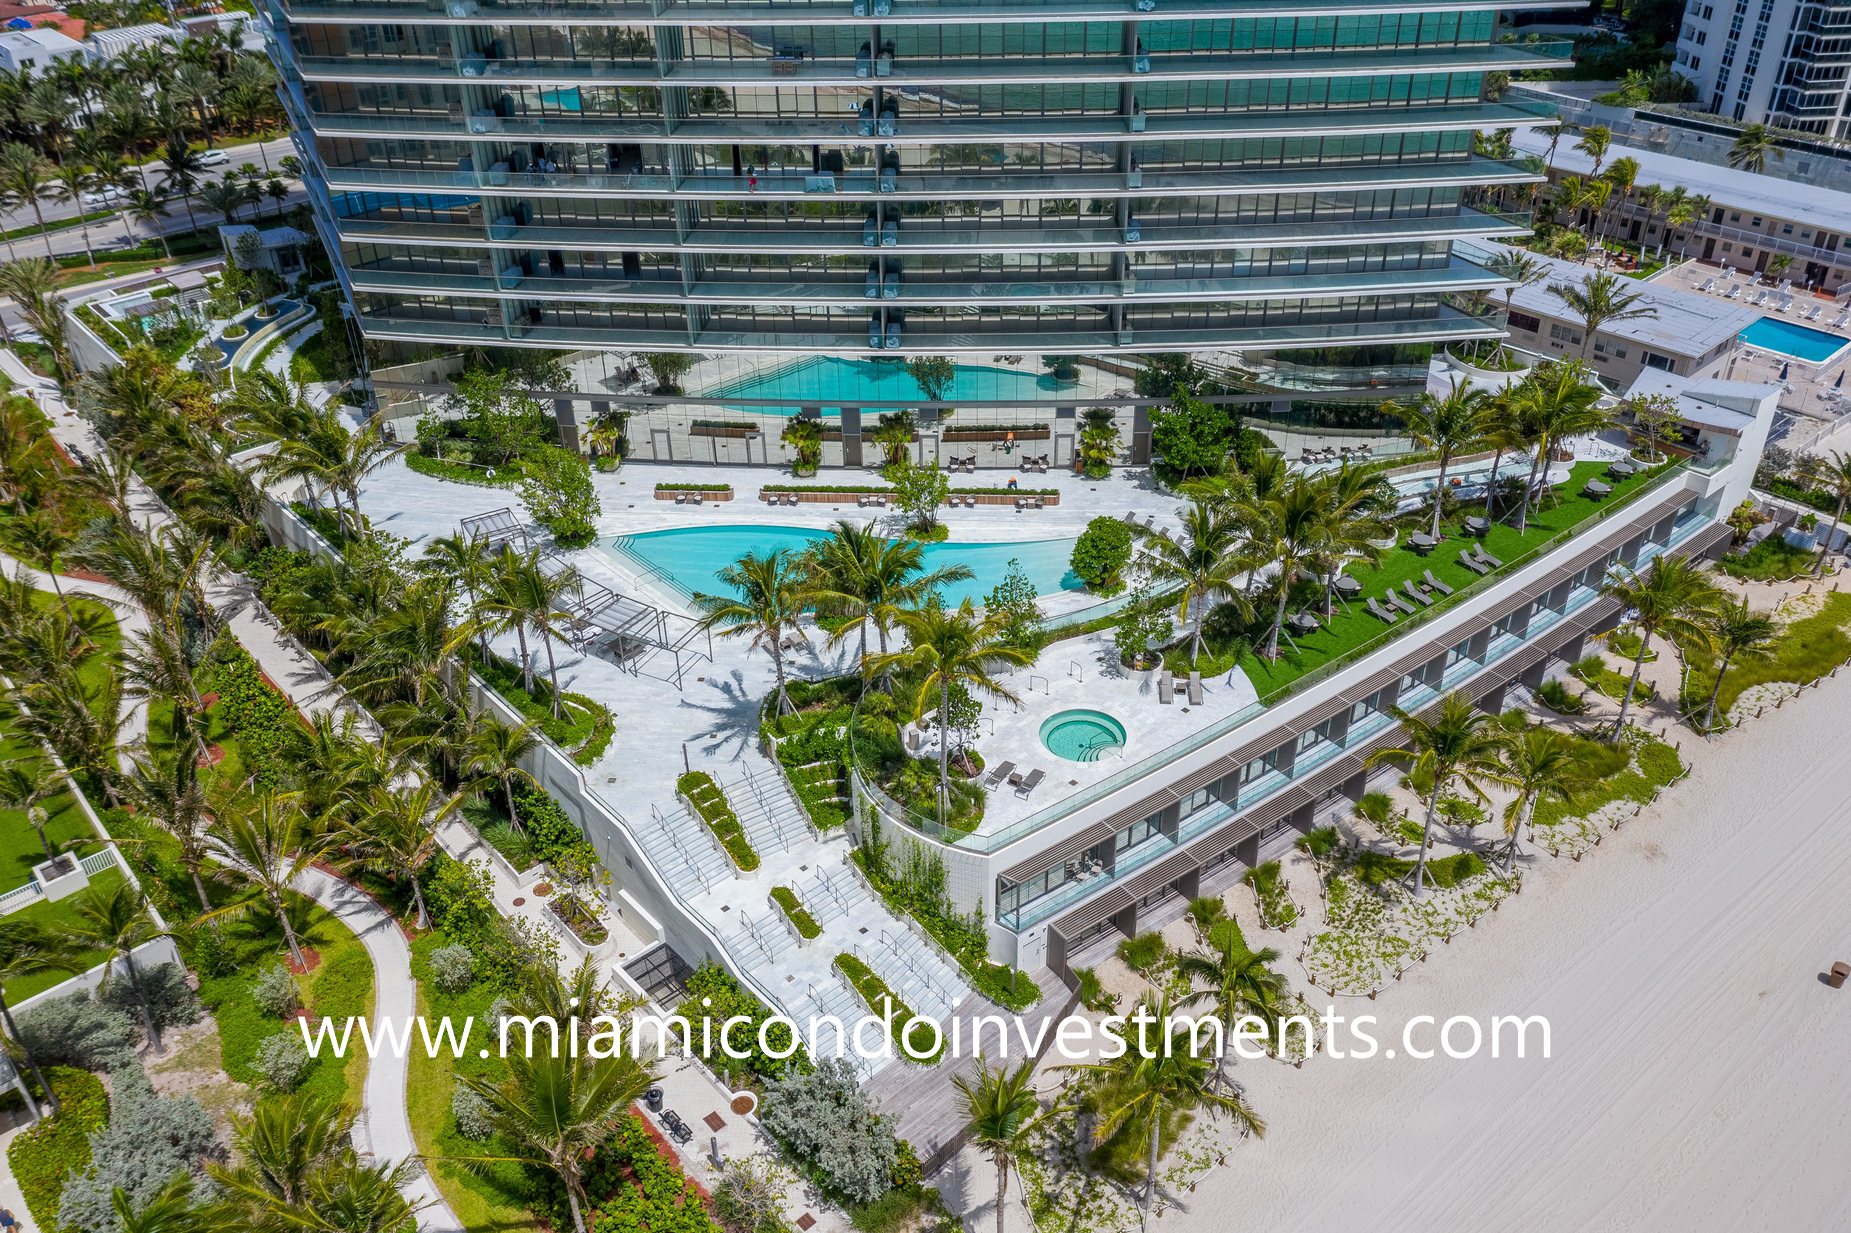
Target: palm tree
{"x":397,"y":835}
{"x":1284,"y":530}
{"x":1833,"y":473}
{"x":1199,"y":566}
{"x":40,"y":541}
{"x":1236,"y":981}
{"x":1672,"y":597}
{"x":1620,"y":176}
{"x":287,"y":1138}
{"x":952,"y":646}
{"x":1352,"y":519}
{"x":226,"y":198}
{"x":555,"y":1110}
{"x":263,"y":844}
{"x":1736,"y":631}
{"x":1554,"y":403}
{"x":1519,"y":269}
{"x":494,"y":755}
{"x":1506,"y":433}
{"x":119,"y":919}
{"x":770,"y":594}
{"x":523,"y":593}
{"x":1595,"y":141}
{"x":74,"y":182}
{"x":1599,"y":300}
{"x":25,"y":785}
{"x":1457,"y":746}
{"x":872,"y":578}
{"x":47,"y":108}
{"x":184,"y":170}
{"x":199,"y":85}
{"x":407,"y":646}
{"x":1752,"y":146}
{"x":27,"y":178}
{"x":1538,"y":762}
{"x":26,"y":949}
{"x":1141,"y":1090}
{"x":146,"y":206}
{"x":170,"y":1210}
{"x":1448,"y":426}
{"x":165,"y":789}
{"x":1000,"y":1111}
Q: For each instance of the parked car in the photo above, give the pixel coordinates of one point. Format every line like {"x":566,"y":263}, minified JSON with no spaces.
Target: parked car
{"x":214,"y":158}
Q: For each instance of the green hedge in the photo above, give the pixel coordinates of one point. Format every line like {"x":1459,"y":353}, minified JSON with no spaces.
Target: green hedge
{"x":786,"y":898}
{"x":43,"y":1156}
{"x":806,"y":739}
{"x":694,"y":487}
{"x":259,"y":715}
{"x":715,"y":993}
{"x":439,"y":468}
{"x":712,"y":806}
{"x":874,"y":992}
{"x":586,"y":726}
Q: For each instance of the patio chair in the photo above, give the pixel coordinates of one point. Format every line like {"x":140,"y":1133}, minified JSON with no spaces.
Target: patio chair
{"x":1735,"y":290}
{"x":681,"y":498}
{"x":1487,"y":558}
{"x":1165,"y":686}
{"x":1030,"y":782}
{"x":862,"y":500}
{"x":1841,"y":318}
{"x":1706,"y":284}
{"x":1038,"y":504}
{"x":1416,"y":594}
{"x":1379,"y":613}
{"x":1131,"y":520}
{"x":881,"y":501}
{"x":1195,"y":688}
{"x":998,"y":774}
{"x":694,"y":498}
{"x":1435,"y":583}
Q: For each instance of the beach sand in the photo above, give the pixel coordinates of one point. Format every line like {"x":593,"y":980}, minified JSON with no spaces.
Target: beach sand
{"x":1700,"y":1074}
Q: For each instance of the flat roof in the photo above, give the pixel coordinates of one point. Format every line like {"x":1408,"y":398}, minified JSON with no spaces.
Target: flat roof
{"x":44,"y":38}
{"x":1688,"y":323}
{"x":1728,"y":406}
{"x":1724,"y":186}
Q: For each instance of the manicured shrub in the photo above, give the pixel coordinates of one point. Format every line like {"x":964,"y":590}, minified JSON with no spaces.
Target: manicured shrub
{"x":471,"y":1113}
{"x":42,"y":1157}
{"x":826,"y":1120}
{"x":805,"y":923}
{"x":275,"y":991}
{"x":1143,"y":953}
{"x":150,"y":1138}
{"x":170,"y":999}
{"x":714,"y":992}
{"x":76,"y":1031}
{"x":1101,"y":554}
{"x":453,"y":968}
{"x":282,"y":1060}
{"x":879,"y":996}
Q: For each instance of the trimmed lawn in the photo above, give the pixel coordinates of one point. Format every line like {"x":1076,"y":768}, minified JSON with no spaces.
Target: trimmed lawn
{"x":1352,"y":631}
{"x":53,"y":916}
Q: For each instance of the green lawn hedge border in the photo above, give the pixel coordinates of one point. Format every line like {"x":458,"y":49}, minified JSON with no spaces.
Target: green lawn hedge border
{"x":874,"y":991}
{"x":43,"y":1156}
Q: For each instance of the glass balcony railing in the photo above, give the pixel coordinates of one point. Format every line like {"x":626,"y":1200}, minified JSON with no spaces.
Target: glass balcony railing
{"x":1052,"y":236}
{"x":794,"y":289}
{"x":796,"y":68}
{"x":948,"y":185}
{"x":931,"y":130}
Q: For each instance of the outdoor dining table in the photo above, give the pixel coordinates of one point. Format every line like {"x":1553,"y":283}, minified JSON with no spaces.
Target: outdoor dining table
{"x":1597,"y":489}
{"x":1303,"y":622}
{"x":1347,"y":586}
{"x":1423,"y":543}
{"x":1477,"y":525}
{"x":1622,"y":470}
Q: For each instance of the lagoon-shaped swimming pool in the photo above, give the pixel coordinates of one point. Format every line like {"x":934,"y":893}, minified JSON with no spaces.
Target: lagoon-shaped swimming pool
{"x":689,"y":559}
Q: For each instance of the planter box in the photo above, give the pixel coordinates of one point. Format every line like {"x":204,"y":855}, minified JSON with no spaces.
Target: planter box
{"x":60,"y":877}
{"x":999,"y":498}
{"x":738,"y":432}
{"x":828,"y":496}
{"x":706,"y":494}
{"x":1044,"y":432}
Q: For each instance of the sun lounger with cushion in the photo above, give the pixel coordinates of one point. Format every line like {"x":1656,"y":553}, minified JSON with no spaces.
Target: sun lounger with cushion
{"x":1030,"y":782}
{"x":998,"y":774}
{"x":1416,"y":594}
{"x":1393,"y":600}
{"x":1473,"y":563}
{"x":1164,"y":686}
{"x":1436,"y":584}
{"x":1379,"y":613}
{"x":1195,"y":689}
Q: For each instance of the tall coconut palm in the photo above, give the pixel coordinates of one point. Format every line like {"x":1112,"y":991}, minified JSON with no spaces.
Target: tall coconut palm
{"x":1736,"y":632}
{"x":171,"y":1209}
{"x":406,"y":647}
{"x":1233,"y":981}
{"x":1458,"y":747}
{"x":770,"y":593}
{"x":27,"y":950}
{"x":1751,"y":148}
{"x":1620,"y":177}
{"x":74,"y":182}
{"x":119,"y":919}
{"x":184,"y":171}
{"x":1352,"y":521}
{"x":1448,"y":426}
{"x":25,"y":785}
{"x":1556,"y":402}
{"x":32,"y":283}
{"x":946,"y":647}
{"x":1506,"y":433}
{"x":29,"y":179}
{"x":1284,"y":531}
{"x":463,"y":560}
{"x":1672,"y":597}
{"x":1599,"y":300}
{"x":493,"y":758}
{"x":286,"y":1139}
{"x":1199,"y":566}
{"x":523,"y":593}
{"x":1538,"y":762}
{"x":1519,"y":269}
{"x":165,"y":789}
{"x":40,"y":542}
{"x":1143,"y":1089}
{"x":1596,"y":140}
{"x":262,"y":843}
{"x":397,"y":835}
{"x":872,"y":577}
{"x":1833,"y":473}
{"x":553,"y":1111}
{"x":1000,"y":1111}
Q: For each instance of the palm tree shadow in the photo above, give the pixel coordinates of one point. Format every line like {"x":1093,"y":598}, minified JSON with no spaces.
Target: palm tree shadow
{"x":732,"y":715}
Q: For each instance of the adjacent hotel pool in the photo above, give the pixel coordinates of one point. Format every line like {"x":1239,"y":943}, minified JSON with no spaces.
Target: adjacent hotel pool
{"x":833,"y":382}
{"x":689,"y":559}
{"x":1798,"y":341}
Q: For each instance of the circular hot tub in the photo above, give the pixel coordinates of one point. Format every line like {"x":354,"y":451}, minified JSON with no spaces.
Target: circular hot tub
{"x":1082,"y":736}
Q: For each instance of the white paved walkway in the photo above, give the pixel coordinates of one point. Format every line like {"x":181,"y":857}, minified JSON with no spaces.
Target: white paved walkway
{"x":384,"y":1129}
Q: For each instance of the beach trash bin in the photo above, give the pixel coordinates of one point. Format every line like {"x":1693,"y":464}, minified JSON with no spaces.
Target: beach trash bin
{"x":653,"y":1098}
{"x":1839,"y":972}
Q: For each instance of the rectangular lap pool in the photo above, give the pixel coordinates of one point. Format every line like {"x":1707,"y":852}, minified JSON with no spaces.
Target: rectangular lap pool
{"x":834,"y":382}
{"x":688,"y":559}
{"x":1786,"y":338}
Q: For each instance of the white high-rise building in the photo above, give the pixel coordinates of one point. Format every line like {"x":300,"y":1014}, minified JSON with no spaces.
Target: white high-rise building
{"x":1778,"y":62}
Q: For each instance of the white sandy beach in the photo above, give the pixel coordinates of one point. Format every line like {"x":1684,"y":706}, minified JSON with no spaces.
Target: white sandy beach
{"x":1700,"y":1071}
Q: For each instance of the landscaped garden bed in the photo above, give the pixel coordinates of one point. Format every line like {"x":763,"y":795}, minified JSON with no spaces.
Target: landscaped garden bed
{"x":831,"y":493}
{"x":707,"y":492}
{"x":794,"y":911}
{"x":882,"y":1000}
{"x":710,"y":805}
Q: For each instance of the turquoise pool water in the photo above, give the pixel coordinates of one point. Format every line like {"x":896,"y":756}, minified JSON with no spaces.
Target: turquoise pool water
{"x":1773,"y":334}
{"x":1082,"y":736}
{"x":690,"y":558}
{"x":828,"y":380}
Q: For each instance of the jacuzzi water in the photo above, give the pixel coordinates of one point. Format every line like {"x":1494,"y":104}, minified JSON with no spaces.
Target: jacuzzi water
{"x":1082,"y":736}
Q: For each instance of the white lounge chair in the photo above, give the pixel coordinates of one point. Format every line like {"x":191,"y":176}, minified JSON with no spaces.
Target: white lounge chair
{"x":1812,"y":314}
{"x":1735,"y":289}
{"x":1841,"y":318}
{"x":1760,"y":298}
{"x":1786,"y":302}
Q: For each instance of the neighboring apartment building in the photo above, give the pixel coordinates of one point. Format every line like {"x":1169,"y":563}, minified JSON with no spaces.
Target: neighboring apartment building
{"x":1690,"y":334}
{"x":1778,"y":62}
{"x":901,"y":177}
{"x":1751,"y":217}
{"x":108,"y":44}
{"x":36,"y":50}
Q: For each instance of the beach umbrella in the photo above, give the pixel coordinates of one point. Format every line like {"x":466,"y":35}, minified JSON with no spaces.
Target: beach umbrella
{"x":1839,"y":384}
{"x":1783,"y":371}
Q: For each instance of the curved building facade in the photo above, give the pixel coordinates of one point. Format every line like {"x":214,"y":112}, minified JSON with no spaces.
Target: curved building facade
{"x":1066,"y":177}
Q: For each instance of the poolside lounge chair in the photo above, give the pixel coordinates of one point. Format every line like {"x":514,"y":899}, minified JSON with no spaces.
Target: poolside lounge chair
{"x":1814,"y":313}
{"x":1393,"y":600}
{"x":1416,"y":594}
{"x":998,"y":774}
{"x":1131,"y":520}
{"x":1030,"y":782}
{"x":1379,"y":613}
{"x":1195,"y":688}
{"x":1165,"y":686}
{"x":1786,"y":302}
{"x":1841,"y":318}
{"x":1735,"y":289}
{"x":1472,"y":563}
{"x":1706,"y":284}
{"x":1487,"y":558}
{"x":1436,"y":584}
{"x":1761,"y":297}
